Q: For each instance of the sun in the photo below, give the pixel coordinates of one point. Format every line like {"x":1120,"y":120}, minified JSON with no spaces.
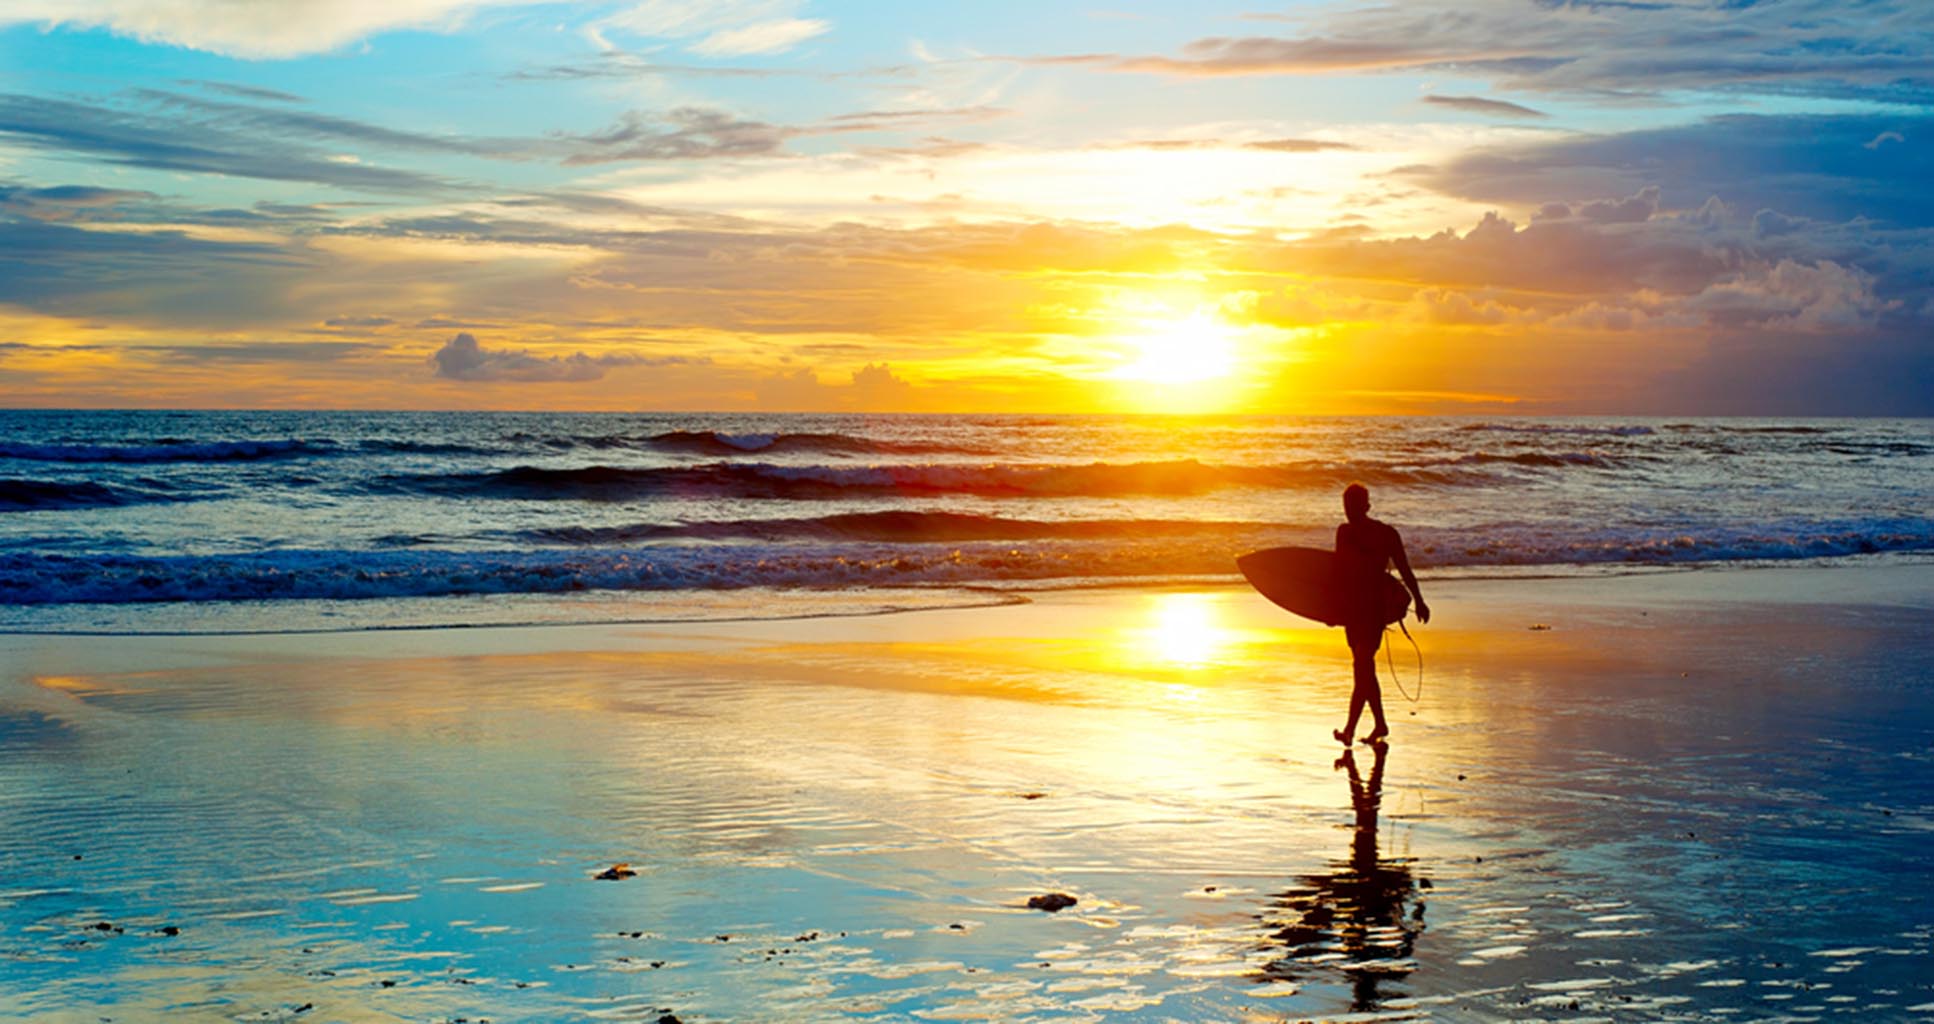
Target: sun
{"x":1183,"y":350}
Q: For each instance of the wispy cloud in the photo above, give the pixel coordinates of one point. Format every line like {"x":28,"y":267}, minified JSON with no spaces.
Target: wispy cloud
{"x":254,"y":30}
{"x":1259,"y":145}
{"x":721,"y":28}
{"x":138,"y":139}
{"x":685,"y":133}
{"x":1604,"y":52}
{"x":247,"y":92}
{"x":1481,"y":105}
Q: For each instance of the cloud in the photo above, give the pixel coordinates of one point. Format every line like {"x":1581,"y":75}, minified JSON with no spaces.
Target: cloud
{"x":285,"y":28}
{"x":1259,"y":145}
{"x":67,"y":202}
{"x":49,"y":265}
{"x":1480,"y":105}
{"x":874,"y":387}
{"x":247,"y":92}
{"x":1599,"y":52}
{"x":1808,"y":165}
{"x":903,"y":120}
{"x":1455,"y":308}
{"x":686,"y":133}
{"x":462,"y":358}
{"x":722,"y":28}
{"x":261,"y":351}
{"x":143,"y":138}
{"x":760,"y":38}
{"x":1636,"y":208}
{"x":1822,"y":297}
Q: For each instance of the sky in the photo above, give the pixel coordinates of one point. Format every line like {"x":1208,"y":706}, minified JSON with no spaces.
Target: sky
{"x":1485,"y":207}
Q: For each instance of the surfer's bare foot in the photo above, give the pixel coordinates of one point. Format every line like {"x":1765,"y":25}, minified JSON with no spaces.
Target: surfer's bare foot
{"x":1341,"y":737}
{"x":1376,"y":738}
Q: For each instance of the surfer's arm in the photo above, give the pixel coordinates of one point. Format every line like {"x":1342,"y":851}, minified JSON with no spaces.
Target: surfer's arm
{"x":1409,"y":578}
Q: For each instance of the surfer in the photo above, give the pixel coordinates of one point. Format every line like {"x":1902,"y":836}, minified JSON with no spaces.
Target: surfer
{"x":1365,"y":546}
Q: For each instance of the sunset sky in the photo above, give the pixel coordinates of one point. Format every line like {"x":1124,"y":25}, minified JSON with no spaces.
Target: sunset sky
{"x":1479,"y":207}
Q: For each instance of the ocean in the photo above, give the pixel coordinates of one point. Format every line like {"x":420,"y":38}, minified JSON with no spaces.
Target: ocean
{"x":164,"y":521}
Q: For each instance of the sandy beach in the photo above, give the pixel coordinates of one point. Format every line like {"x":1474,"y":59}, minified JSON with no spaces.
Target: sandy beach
{"x":1696,"y":795}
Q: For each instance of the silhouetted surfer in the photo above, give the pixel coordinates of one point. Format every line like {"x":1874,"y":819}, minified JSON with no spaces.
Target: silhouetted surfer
{"x":1365,"y":546}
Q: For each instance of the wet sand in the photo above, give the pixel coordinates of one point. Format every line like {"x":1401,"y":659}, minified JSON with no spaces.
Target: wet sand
{"x":1695,"y":796}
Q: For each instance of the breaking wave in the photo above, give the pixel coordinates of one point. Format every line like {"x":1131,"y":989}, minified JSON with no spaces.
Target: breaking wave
{"x":771,"y":481}
{"x":24,"y":495}
{"x":165,"y":451}
{"x":1125,"y":552}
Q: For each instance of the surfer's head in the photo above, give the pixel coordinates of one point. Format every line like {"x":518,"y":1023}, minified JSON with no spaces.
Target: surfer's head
{"x":1356,"y":501}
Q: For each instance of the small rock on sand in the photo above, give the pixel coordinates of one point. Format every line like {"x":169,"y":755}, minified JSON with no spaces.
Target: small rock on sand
{"x":1051,"y":902}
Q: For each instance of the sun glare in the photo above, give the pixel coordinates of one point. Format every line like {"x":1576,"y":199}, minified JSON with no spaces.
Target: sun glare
{"x":1187,"y":350}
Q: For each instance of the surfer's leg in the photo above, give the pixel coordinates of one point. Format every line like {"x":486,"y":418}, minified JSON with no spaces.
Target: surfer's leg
{"x":1376,"y":710}
{"x":1364,"y":666}
{"x":1363,"y":648}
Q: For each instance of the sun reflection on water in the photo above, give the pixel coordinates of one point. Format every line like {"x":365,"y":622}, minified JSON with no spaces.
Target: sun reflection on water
{"x":1183,"y":631}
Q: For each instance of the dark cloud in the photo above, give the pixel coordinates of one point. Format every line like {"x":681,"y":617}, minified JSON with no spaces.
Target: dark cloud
{"x":463,"y":358}
{"x":283,"y":124}
{"x":904,"y":120}
{"x":66,"y":202}
{"x":1633,"y":209}
{"x":1815,"y":166}
{"x":52,"y":266}
{"x":1481,"y":105}
{"x":1607,"y":51}
{"x":247,"y":92}
{"x":686,"y":133}
{"x":140,"y":139}
{"x":261,"y":351}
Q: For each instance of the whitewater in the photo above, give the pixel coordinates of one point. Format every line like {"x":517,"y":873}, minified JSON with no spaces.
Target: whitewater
{"x":227,"y":520}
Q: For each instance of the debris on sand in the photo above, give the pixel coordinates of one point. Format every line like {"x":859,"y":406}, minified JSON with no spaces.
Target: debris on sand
{"x":1539,"y":627}
{"x":614,"y":873}
{"x":1051,"y":902}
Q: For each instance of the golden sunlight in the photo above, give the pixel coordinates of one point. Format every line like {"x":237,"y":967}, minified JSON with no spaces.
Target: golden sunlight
{"x":1183,"y":631}
{"x":1188,"y":350}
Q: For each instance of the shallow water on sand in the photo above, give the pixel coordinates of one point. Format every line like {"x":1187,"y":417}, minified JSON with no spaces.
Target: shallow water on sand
{"x":844,"y":819}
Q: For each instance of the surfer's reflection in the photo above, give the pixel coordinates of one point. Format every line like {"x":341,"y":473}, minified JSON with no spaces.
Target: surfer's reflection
{"x":1362,"y":918}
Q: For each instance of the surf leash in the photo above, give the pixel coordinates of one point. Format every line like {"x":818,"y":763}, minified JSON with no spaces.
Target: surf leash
{"x":1391,"y":659}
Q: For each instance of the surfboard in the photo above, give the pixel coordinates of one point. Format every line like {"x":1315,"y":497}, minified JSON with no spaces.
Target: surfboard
{"x":1306,"y":581}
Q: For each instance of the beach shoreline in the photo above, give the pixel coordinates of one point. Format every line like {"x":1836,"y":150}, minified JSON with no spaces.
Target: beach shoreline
{"x":1694,"y":795}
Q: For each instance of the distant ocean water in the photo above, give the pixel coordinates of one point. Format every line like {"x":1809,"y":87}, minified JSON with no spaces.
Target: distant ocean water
{"x":128,"y":520}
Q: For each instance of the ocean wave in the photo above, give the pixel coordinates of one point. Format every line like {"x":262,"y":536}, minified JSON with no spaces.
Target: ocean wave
{"x":1550,"y":460}
{"x":716,"y":443}
{"x":900,"y":526}
{"x":1631,"y":430}
{"x":820,"y":482}
{"x":165,"y":451}
{"x":26,"y":495}
{"x":38,"y":578}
